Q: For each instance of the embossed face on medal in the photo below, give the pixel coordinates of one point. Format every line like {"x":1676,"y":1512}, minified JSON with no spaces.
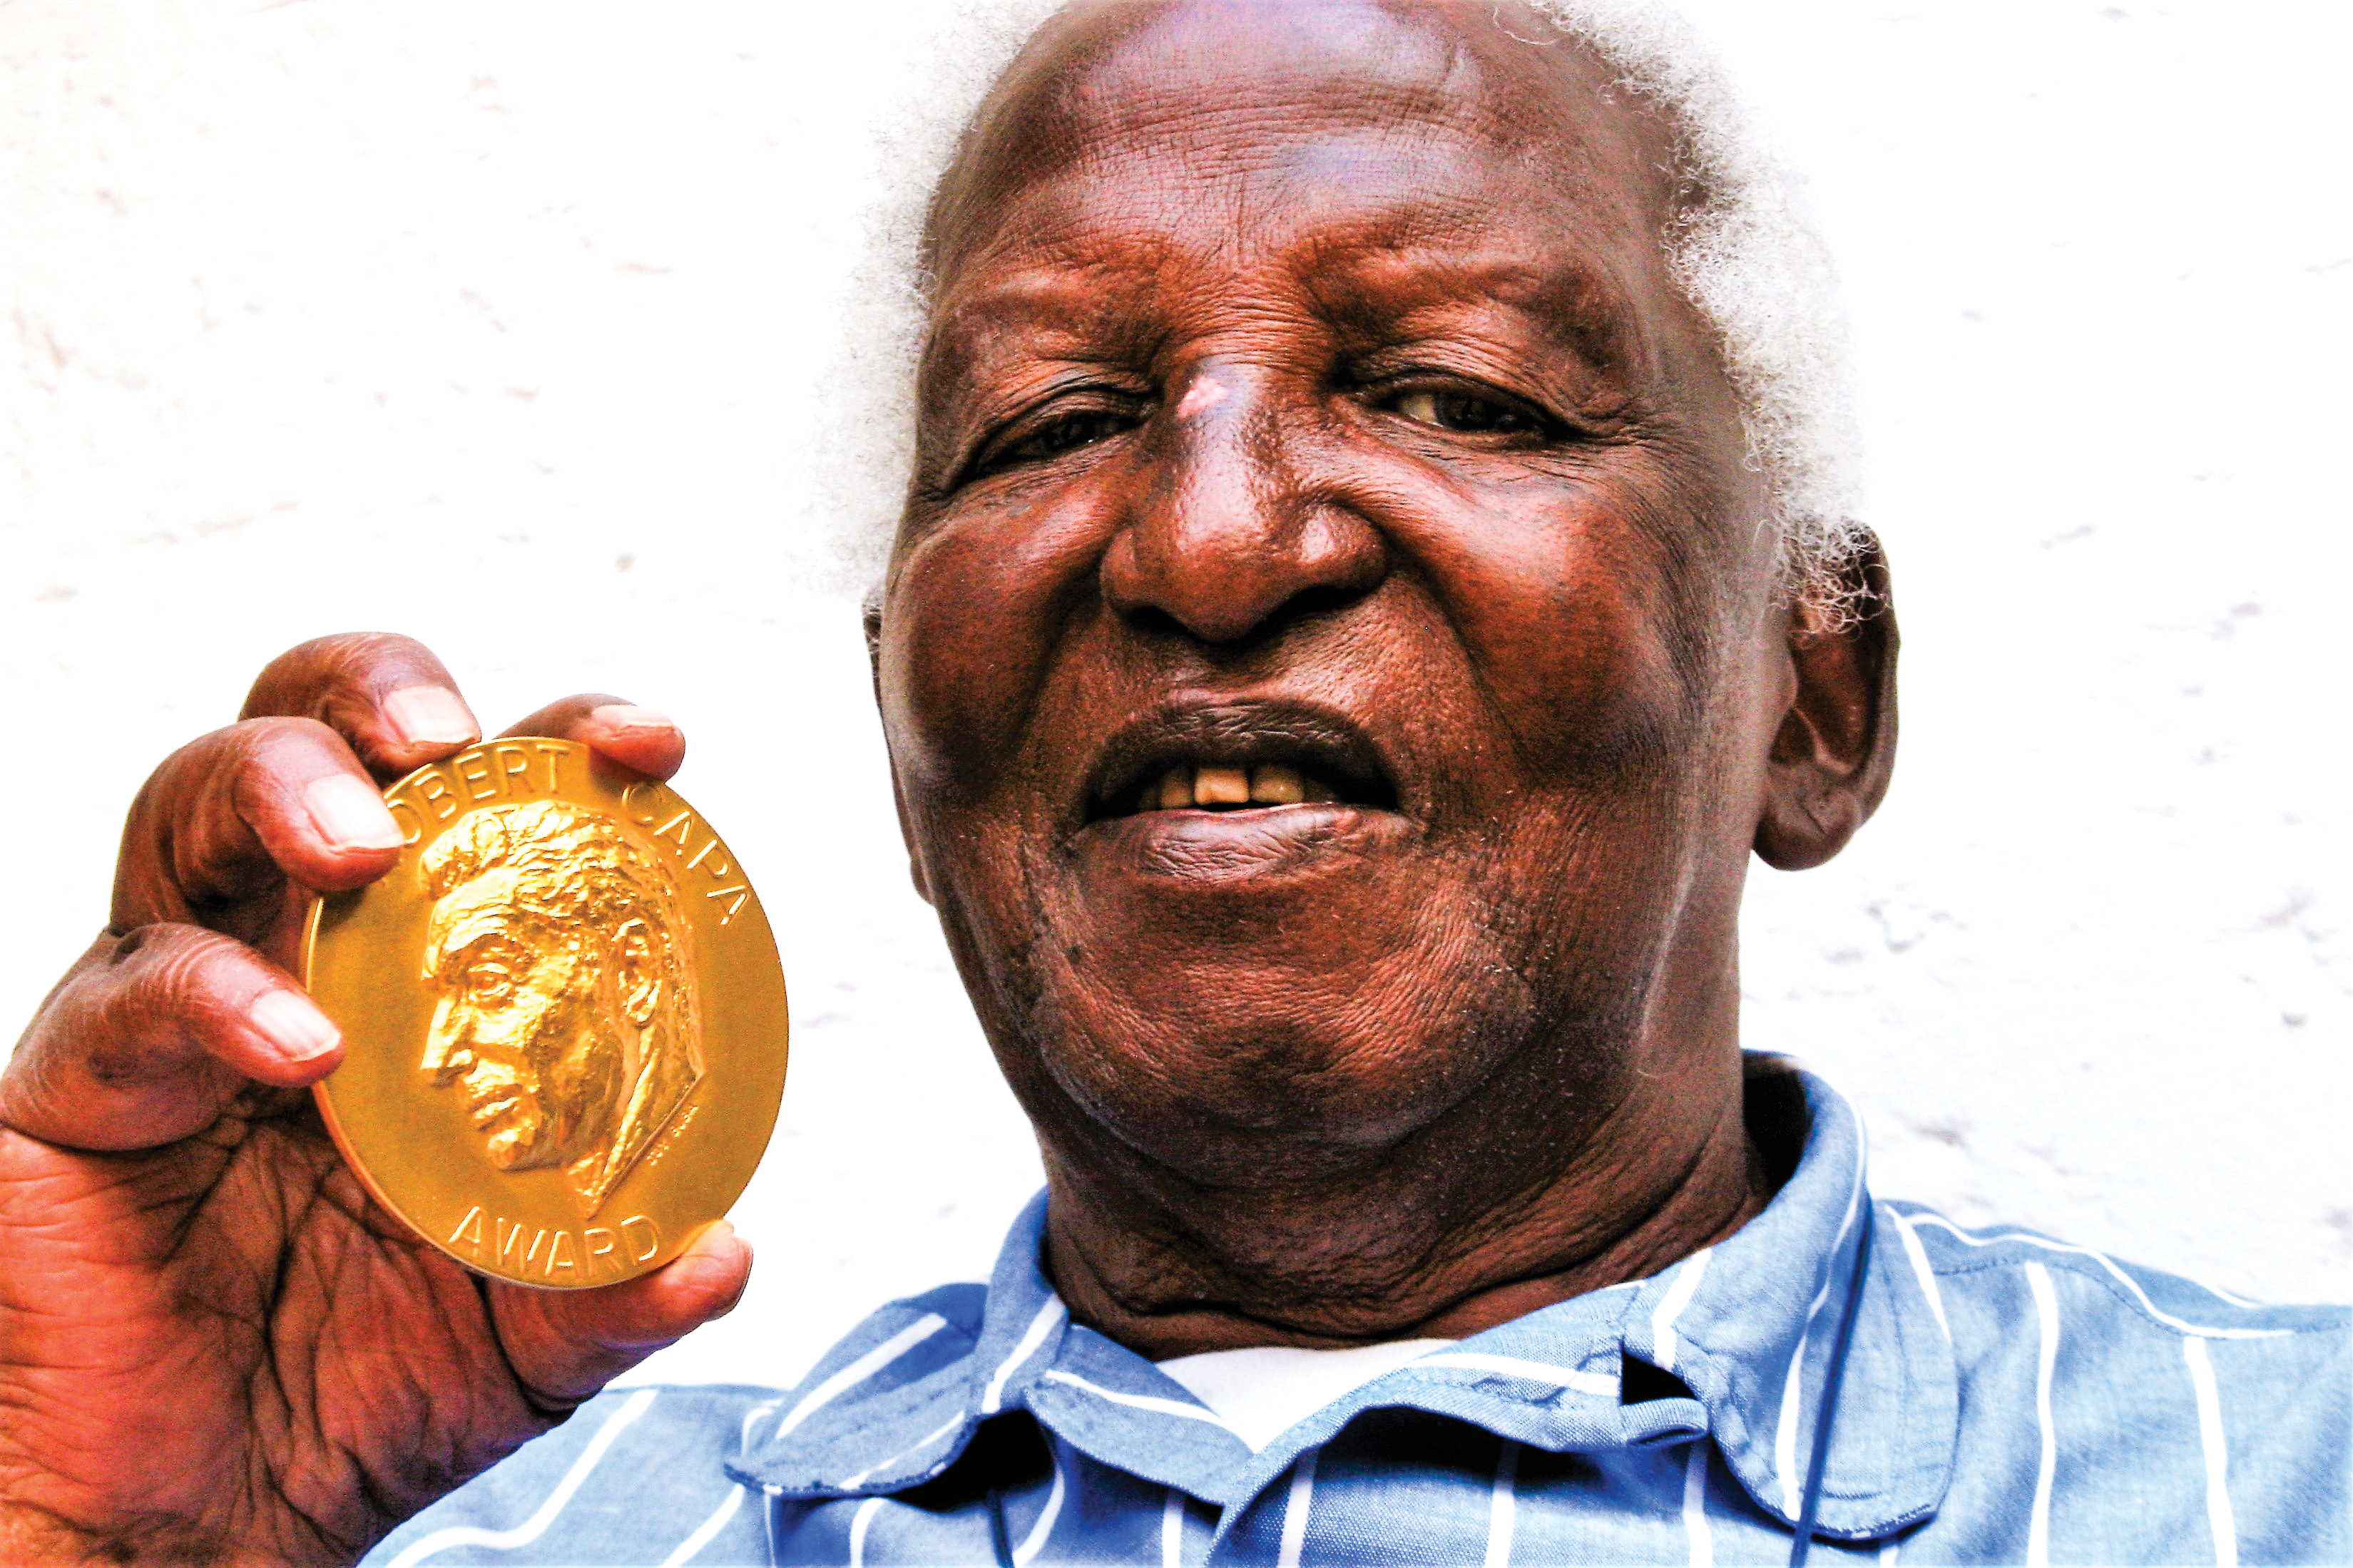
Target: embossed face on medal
{"x":566,"y":1022}
{"x":567,"y":999}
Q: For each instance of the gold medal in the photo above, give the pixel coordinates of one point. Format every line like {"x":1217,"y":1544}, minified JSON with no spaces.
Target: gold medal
{"x":562,"y":1013}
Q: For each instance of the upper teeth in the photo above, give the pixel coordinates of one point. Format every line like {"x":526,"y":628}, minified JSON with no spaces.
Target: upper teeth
{"x":1269,"y":784}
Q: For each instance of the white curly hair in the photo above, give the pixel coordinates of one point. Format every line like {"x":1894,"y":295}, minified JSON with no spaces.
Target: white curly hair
{"x":1743,"y":249}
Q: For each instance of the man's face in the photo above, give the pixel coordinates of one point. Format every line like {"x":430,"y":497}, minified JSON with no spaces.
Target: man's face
{"x":1309,"y":416}
{"x":516,"y":1027}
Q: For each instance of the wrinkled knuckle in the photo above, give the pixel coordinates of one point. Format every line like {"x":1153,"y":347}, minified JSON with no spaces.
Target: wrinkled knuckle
{"x":176,"y":963}
{"x":361,"y":658}
{"x":333,"y":654}
{"x":289,"y":682}
{"x":202,"y":765}
{"x":270,"y":760}
{"x":266,"y":749}
{"x":188,"y":766}
{"x":181,"y":987}
{"x":265,"y":737}
{"x":121,"y":1017}
{"x":313,"y":676}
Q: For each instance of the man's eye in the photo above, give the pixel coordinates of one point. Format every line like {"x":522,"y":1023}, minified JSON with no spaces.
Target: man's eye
{"x":1465,"y":411}
{"x":1066,"y":433}
{"x":491,"y":983}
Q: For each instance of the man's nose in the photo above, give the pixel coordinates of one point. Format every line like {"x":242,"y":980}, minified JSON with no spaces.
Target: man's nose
{"x":445,"y":1053}
{"x":1235,"y":535}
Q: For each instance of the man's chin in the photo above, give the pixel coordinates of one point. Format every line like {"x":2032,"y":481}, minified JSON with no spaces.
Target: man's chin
{"x":517,"y":1151}
{"x":1267,"y":1080}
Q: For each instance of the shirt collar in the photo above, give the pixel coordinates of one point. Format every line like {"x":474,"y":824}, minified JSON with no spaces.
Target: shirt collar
{"x":1749,"y":1326}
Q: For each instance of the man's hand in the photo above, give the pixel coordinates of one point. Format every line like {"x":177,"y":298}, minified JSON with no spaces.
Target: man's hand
{"x":213,"y":1344}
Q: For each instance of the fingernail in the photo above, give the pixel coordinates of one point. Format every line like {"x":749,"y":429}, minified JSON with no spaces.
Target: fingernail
{"x":349,"y":814}
{"x":629,"y":716}
{"x":430,"y":716}
{"x":290,"y":1022}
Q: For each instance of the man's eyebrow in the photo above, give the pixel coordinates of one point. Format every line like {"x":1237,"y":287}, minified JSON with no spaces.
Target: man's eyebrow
{"x":1072,"y":245}
{"x":463,"y":934}
{"x":1048,"y":287}
{"x":1076,"y":298}
{"x":1512,"y":275}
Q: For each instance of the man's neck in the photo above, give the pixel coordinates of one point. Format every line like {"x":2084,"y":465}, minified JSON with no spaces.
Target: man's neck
{"x":1432,"y":1240}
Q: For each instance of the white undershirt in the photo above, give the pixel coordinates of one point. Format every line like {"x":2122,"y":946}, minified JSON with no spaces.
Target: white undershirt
{"x":1263,"y":1393}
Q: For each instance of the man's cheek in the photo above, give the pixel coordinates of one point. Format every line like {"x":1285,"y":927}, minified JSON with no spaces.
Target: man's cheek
{"x":1578,"y":640}
{"x":493,"y":1038}
{"x":977,"y":611}
{"x":509,"y":1030}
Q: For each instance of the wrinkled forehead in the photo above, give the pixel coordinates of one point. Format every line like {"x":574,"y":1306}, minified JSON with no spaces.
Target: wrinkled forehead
{"x":1168,"y":114}
{"x":489,"y":904}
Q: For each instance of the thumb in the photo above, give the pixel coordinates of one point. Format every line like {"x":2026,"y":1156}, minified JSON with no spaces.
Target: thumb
{"x":566,"y":1344}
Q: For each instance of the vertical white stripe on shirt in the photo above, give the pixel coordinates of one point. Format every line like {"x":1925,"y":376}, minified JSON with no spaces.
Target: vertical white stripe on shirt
{"x":1172,"y":1529}
{"x":1670,"y":1305}
{"x":859,"y":1524}
{"x":1031,"y":1338}
{"x":858,"y":1371}
{"x":1052,"y":1511}
{"x":1926,"y":1275}
{"x":2218,"y":1453}
{"x":1502,"y":1506}
{"x":685,"y":1551}
{"x":1887,"y":1555}
{"x":1785,"y":1432}
{"x":2046,"y":1358}
{"x":1294,"y":1509}
{"x":532,"y":1529}
{"x":1703,"y":1543}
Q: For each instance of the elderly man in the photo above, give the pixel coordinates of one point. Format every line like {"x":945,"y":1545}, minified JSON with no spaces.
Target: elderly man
{"x":1367,"y":582}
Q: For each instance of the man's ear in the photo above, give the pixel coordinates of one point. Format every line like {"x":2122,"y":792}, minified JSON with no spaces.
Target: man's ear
{"x":1835,"y":749}
{"x":873,"y":617}
{"x":637,"y":972}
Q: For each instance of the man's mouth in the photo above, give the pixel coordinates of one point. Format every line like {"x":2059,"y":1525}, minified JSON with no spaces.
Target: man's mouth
{"x":1231,"y":757}
{"x":490,"y":1097}
{"x":487,"y":1110}
{"x":1215,"y":788}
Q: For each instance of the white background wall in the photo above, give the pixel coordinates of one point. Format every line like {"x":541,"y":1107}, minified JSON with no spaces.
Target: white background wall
{"x":501,"y":324}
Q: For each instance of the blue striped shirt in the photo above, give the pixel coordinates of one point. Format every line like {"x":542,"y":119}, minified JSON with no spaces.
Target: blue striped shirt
{"x":2005,"y":1398}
